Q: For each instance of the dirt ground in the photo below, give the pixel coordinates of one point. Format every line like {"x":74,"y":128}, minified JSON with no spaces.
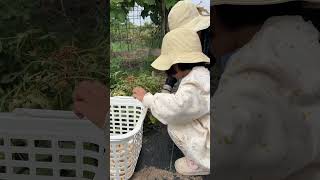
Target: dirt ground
{"x":152,"y":173}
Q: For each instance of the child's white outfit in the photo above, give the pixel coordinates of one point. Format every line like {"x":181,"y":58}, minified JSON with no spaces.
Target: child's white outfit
{"x":266,"y":111}
{"x":187,"y":114}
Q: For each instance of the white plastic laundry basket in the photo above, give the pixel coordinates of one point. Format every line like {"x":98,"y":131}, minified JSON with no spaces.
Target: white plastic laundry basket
{"x":50,"y":145}
{"x":126,"y":128}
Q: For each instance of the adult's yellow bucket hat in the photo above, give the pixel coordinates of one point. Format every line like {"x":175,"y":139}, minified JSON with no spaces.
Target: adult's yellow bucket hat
{"x":185,"y":14}
{"x":180,"y":45}
{"x":256,"y":2}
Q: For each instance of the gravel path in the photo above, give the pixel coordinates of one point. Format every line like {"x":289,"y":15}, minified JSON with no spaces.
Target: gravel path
{"x":152,"y":173}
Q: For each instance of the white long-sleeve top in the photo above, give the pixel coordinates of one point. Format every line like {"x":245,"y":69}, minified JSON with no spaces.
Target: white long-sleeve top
{"x":266,"y":111}
{"x":188,"y":112}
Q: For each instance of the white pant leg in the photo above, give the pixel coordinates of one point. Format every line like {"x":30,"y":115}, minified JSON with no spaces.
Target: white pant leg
{"x":192,"y":143}
{"x":178,"y":139}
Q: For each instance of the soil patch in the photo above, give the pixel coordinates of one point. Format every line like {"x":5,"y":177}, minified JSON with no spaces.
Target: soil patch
{"x":152,"y":173}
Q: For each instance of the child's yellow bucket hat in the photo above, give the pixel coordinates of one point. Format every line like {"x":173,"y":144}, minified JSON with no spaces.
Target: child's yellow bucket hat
{"x":185,"y":14}
{"x":180,"y":45}
{"x":256,"y":2}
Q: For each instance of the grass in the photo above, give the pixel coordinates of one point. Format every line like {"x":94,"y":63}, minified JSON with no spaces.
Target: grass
{"x":126,"y":46}
{"x":44,"y":54}
{"x":123,"y":82}
{"x":118,"y":47}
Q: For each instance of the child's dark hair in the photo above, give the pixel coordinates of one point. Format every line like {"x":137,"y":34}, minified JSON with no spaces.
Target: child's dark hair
{"x":234,"y":17}
{"x":184,"y":66}
{"x":247,"y":15}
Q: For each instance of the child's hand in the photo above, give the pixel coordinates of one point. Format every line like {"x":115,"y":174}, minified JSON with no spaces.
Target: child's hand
{"x":139,"y":93}
{"x":91,"y":101}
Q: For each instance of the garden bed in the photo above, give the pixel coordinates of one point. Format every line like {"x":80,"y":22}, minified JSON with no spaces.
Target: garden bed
{"x":46,"y":48}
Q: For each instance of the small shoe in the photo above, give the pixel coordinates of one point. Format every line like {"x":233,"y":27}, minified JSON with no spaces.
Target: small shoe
{"x":187,"y":167}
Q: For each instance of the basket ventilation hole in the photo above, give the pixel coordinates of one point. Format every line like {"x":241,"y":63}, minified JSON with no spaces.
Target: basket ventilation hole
{"x":1,"y":142}
{"x":90,"y":161}
{"x":2,"y":156}
{"x":3,"y":169}
{"x":67,"y":159}
{"x":88,"y":174}
{"x":42,"y":144}
{"x":44,"y":171}
{"x":20,"y":156}
{"x":67,"y":144}
{"x":67,"y":173}
{"x":44,"y":157}
{"x":91,"y":147}
{"x":21,"y":170}
{"x":19,"y":142}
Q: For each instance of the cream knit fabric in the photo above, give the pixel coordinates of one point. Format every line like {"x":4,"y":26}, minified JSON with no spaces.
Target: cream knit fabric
{"x":266,"y":111}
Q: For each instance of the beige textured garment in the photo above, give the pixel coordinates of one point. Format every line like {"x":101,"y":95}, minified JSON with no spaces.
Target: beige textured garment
{"x":256,"y":2}
{"x":266,"y":111}
{"x":187,"y":114}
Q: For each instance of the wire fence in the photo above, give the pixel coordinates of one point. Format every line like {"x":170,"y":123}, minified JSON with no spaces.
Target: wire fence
{"x":136,"y":37}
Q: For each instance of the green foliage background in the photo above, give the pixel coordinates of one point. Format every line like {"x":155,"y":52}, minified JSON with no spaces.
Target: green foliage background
{"x":152,"y":8}
{"x":46,"y":48}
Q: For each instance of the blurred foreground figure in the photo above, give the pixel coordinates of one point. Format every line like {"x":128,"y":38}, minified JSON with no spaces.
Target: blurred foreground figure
{"x":266,"y":110}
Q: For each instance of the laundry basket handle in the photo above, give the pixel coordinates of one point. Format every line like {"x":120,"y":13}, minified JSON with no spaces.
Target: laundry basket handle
{"x":41,"y":113}
{"x":124,"y":97}
{"x":127,"y":99}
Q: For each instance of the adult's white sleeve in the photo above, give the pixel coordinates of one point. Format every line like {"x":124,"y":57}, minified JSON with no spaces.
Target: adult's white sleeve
{"x":258,"y":133}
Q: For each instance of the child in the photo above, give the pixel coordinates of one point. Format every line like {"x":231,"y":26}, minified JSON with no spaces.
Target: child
{"x":185,"y":14}
{"x":187,"y":113}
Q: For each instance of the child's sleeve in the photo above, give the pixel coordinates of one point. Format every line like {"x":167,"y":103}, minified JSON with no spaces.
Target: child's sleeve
{"x":258,"y":132}
{"x":184,"y":106}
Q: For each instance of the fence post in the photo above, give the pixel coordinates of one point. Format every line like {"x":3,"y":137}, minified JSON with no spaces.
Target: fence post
{"x":163,"y":17}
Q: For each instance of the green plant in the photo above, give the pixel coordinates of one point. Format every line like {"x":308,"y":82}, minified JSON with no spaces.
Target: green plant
{"x":45,"y":52}
{"x":125,"y":84}
{"x":47,"y":80}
